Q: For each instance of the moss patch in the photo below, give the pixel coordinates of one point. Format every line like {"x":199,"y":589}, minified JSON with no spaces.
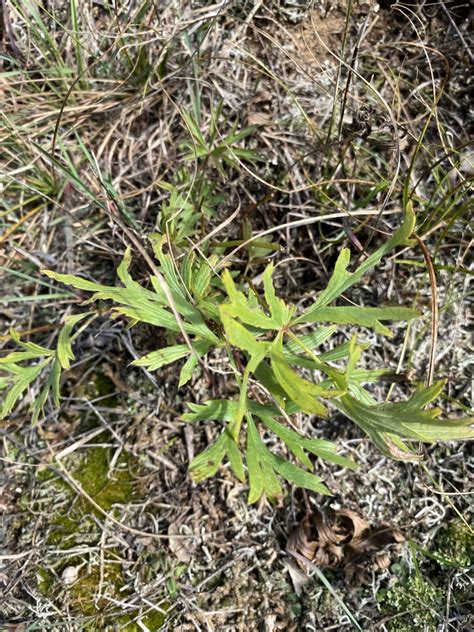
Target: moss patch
{"x":106,"y":487}
{"x":74,"y":524}
{"x":153,"y":621}
{"x":419,"y":603}
{"x":82,"y":592}
{"x":83,"y":599}
{"x":455,"y":544}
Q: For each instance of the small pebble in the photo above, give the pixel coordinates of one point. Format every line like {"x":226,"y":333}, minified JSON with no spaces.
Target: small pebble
{"x":69,"y":575}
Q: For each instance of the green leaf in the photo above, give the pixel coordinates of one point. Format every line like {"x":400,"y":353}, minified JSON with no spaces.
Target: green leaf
{"x":18,"y":356}
{"x":140,"y":304}
{"x":262,"y":479}
{"x":393,"y":446}
{"x":77,"y":282}
{"x":297,"y":476}
{"x":208,"y":462}
{"x":355,"y":352}
{"x":156,"y":359}
{"x":424,"y":395}
{"x":239,"y":306}
{"x":214,"y":409}
{"x":36,"y":351}
{"x":341,"y":279}
{"x":64,"y":349}
{"x":52,"y":385}
{"x":22,"y":380}
{"x":253,"y":363}
{"x":123,"y":273}
{"x":263,"y":464}
{"x":254,"y":468}
{"x":54,"y":381}
{"x":312,"y":340}
{"x":187,"y":371}
{"x":365,"y":376}
{"x":279,"y":311}
{"x":265,"y":375}
{"x":193,"y":128}
{"x":169,"y":271}
{"x":406,"y":419}
{"x":167,"y":355}
{"x":224,"y":410}
{"x":202,"y":278}
{"x":240,"y":337}
{"x":293,"y":348}
{"x":201,"y":347}
{"x":25,"y":376}
{"x":235,"y":460}
{"x":363,"y":316}
{"x":304,"y":393}
{"x":298,"y":444}
{"x":236,"y":137}
{"x":338,"y":353}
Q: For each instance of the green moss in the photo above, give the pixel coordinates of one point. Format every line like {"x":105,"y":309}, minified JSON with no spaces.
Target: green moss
{"x":93,"y":476}
{"x":65,"y":531}
{"x":81,"y":593}
{"x":455,"y":545}
{"x":77,"y":526}
{"x":419,"y":602}
{"x":74,"y":524}
{"x":83,"y":599}
{"x":46,"y":580}
{"x":153,"y":620}
{"x":45,"y":474}
{"x":103,"y":385}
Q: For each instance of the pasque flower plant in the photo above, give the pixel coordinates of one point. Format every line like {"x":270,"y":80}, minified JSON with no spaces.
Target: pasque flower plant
{"x":266,"y":342}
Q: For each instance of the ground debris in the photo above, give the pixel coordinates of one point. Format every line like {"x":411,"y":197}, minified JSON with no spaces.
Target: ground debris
{"x":342,"y":539}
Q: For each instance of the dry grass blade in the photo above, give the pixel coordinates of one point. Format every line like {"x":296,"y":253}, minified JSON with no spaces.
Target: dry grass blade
{"x":434,"y":309}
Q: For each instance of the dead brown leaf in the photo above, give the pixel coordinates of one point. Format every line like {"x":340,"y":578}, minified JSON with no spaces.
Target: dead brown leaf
{"x":179,"y":545}
{"x":298,"y":577}
{"x":301,"y":539}
{"x":343,"y":539}
{"x":349,"y":525}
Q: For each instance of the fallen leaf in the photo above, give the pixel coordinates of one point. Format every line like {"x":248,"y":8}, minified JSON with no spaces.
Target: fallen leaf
{"x":298,"y":577}
{"x":342,"y":538}
{"x":302,"y":540}
{"x":259,"y":118}
{"x":179,"y":546}
{"x":349,"y":525}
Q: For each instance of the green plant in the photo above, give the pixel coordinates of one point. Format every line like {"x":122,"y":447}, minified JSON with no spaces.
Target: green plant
{"x":415,"y":602}
{"x":263,"y":341}
{"x":454,"y":546}
{"x":220,"y":150}
{"x":419,"y":603}
{"x":19,"y":377}
{"x":188,"y":203}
